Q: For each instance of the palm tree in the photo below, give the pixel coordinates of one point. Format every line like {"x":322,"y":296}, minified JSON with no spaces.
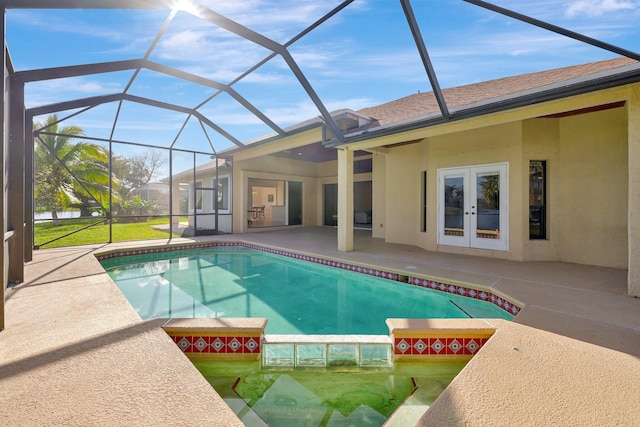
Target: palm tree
{"x":68,"y":173}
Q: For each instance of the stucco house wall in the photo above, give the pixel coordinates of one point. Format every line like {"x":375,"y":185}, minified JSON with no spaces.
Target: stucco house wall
{"x":593,"y":182}
{"x":586,"y":183}
{"x":541,"y":141}
{"x":402,"y":207}
{"x":379,"y":195}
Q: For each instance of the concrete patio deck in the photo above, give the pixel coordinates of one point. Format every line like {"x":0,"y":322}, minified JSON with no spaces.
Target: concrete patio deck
{"x":75,"y":353}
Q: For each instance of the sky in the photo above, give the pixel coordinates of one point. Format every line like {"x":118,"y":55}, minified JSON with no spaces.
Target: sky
{"x":361,"y":57}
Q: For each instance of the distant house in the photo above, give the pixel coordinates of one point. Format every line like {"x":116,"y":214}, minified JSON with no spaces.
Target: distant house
{"x":529,"y":167}
{"x":154,"y":192}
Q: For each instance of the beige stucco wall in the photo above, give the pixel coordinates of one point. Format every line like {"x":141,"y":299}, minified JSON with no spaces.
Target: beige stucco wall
{"x":592,"y":183}
{"x":282,"y":165}
{"x":541,"y":140}
{"x":328,"y":169}
{"x":402,"y":207}
{"x":633,"y":192}
{"x":379,"y":196}
{"x":586,"y":183}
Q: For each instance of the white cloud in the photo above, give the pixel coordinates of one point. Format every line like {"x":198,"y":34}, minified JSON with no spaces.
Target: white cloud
{"x":593,"y":8}
{"x":269,"y":14}
{"x":210,"y":50}
{"x":52,"y":91}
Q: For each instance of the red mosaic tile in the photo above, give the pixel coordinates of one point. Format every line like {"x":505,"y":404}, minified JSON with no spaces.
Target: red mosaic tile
{"x":454,"y":345}
{"x":185,"y":344}
{"x":251,"y":345}
{"x":437,"y":345}
{"x":234,"y":345}
{"x":201,"y":344}
{"x":217,"y":345}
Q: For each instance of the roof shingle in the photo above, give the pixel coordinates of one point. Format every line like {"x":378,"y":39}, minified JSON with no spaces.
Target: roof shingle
{"x":420,"y":104}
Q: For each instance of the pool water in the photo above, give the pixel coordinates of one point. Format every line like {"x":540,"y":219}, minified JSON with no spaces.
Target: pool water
{"x":297,"y":297}
{"x":328,"y":398}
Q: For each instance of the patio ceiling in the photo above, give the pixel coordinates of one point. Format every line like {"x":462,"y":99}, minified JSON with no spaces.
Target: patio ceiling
{"x":199,"y":87}
{"x":315,"y":153}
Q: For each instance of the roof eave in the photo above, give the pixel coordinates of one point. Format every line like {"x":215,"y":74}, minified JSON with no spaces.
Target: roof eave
{"x":233,"y":150}
{"x":565,"y":89}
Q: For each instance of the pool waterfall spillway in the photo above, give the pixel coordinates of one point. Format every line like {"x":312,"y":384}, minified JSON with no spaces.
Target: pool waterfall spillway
{"x":327,"y":351}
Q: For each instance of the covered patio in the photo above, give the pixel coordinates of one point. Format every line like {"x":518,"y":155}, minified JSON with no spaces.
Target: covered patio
{"x":81,"y":356}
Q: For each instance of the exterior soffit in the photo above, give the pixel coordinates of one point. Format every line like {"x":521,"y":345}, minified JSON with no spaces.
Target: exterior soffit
{"x":281,"y":144}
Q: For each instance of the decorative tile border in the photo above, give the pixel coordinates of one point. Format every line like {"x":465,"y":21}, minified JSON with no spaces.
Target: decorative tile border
{"x":469,"y":292}
{"x":329,"y":263}
{"x":438,"y":346}
{"x":218,"y":344}
{"x":215,"y":339}
{"x":163,"y":249}
{"x":438,"y":339}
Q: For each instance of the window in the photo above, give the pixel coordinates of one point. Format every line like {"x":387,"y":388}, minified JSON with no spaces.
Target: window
{"x":224,"y":193}
{"x":363,"y":166}
{"x":537,"y":199}
{"x":423,"y":201}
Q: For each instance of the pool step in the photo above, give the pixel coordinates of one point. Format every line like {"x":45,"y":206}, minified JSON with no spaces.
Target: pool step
{"x":327,"y":351}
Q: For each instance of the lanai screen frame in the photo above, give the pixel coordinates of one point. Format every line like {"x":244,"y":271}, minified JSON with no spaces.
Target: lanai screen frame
{"x":18,"y":121}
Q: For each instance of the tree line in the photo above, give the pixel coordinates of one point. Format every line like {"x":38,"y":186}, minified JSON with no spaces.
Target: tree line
{"x":73,"y":174}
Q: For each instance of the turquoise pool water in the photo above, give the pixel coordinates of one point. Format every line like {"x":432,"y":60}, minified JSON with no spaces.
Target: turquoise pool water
{"x":297,"y":297}
{"x":329,"y":398}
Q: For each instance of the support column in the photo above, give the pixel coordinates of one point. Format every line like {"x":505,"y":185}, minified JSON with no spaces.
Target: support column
{"x":633,"y":220}
{"x":16,"y":180}
{"x":3,"y":143}
{"x":29,"y":182}
{"x":345,"y":200}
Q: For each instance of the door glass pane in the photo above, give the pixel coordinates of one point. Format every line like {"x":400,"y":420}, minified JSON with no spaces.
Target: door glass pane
{"x":331,"y":204}
{"x":488,"y":205}
{"x":537,"y":199}
{"x":454,"y":206}
{"x":362,"y":197}
{"x":295,"y":203}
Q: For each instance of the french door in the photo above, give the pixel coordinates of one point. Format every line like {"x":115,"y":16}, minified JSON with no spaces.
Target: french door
{"x":473,"y":206}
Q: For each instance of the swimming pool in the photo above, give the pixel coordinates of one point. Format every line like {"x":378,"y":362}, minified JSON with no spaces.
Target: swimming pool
{"x":296,"y":296}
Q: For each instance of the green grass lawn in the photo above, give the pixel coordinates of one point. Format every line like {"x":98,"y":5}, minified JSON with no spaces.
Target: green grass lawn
{"x":46,"y":231}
